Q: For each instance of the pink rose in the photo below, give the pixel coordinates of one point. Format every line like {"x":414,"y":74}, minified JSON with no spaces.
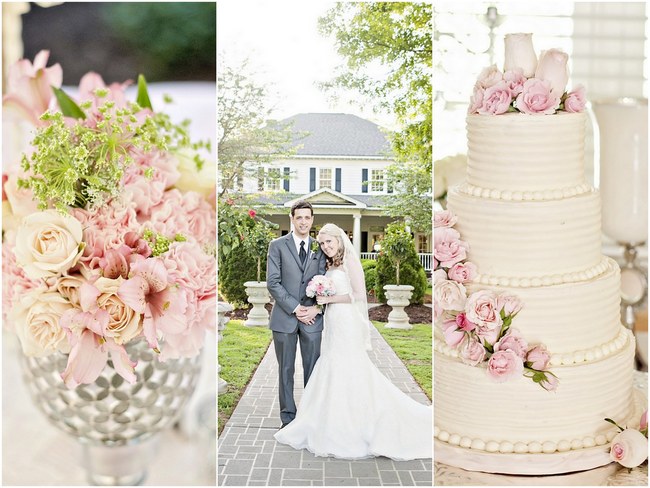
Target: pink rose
{"x":552,"y":67}
{"x":490,"y":76}
{"x":481,"y":309}
{"x":550,"y":382}
{"x":472,"y":352}
{"x":509,"y":303}
{"x":453,"y":336}
{"x":476,"y":101}
{"x":448,"y":248}
{"x":488,"y":335}
{"x":444,"y":218}
{"x":643,"y":423}
{"x":629,"y":448}
{"x":537,"y":98}
{"x":575,"y":100}
{"x":463,"y":324}
{"x":496,"y":100}
{"x":538,"y":357}
{"x":513,"y":341}
{"x":504,"y":365}
{"x":515,"y":81}
{"x":439,"y":275}
{"x":520,"y":54}
{"x":463,"y":272}
{"x":449,"y":295}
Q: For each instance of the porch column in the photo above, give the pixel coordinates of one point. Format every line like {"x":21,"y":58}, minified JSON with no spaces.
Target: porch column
{"x":356,"y":233}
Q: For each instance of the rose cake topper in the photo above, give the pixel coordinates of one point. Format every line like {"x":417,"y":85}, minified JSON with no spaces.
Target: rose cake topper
{"x":527,"y":84}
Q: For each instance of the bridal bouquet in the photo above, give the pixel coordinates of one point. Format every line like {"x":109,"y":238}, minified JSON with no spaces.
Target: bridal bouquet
{"x":320,"y":286}
{"x":108,"y":227}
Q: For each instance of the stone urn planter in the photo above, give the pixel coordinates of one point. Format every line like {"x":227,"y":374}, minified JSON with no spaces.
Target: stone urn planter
{"x":398,"y":297}
{"x":222,"y":309}
{"x":259,"y":296}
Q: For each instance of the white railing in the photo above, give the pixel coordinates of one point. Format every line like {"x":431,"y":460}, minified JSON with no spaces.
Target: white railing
{"x":425,"y":258}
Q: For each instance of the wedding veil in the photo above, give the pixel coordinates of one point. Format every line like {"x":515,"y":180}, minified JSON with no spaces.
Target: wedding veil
{"x":354,"y":272}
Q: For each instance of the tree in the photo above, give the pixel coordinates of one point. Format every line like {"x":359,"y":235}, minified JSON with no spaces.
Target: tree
{"x":397,"y":35}
{"x":247,"y":137}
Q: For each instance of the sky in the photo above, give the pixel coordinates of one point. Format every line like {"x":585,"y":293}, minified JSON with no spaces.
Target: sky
{"x":282,"y":42}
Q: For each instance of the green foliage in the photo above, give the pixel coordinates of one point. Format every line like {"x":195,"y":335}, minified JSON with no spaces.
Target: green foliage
{"x":413,"y":347}
{"x":246,"y":137}
{"x":397,"y":245}
{"x":411,"y":273}
{"x":143,"y":93}
{"x":240,"y":351}
{"x":370,"y":273}
{"x":235,"y":269}
{"x":256,"y":244}
{"x":68,"y":106}
{"x":397,"y":35}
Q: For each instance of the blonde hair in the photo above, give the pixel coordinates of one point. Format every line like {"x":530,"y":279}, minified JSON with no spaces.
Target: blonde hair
{"x":334,"y":231}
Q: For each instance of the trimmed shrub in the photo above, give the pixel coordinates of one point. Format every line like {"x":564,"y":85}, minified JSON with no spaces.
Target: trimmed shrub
{"x":370,"y":273}
{"x":236,"y":269}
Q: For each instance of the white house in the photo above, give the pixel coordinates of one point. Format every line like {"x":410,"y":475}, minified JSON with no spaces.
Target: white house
{"x":340,"y":168}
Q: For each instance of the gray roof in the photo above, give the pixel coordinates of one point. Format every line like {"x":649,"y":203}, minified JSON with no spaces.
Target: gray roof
{"x":280,"y":198}
{"x":332,"y":134}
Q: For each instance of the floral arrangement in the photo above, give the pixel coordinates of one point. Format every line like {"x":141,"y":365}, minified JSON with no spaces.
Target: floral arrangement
{"x":528,"y":85}
{"x":109,"y":227}
{"x":315,"y":246}
{"x":478,"y":324}
{"x":320,"y":286}
{"x":630,"y":446}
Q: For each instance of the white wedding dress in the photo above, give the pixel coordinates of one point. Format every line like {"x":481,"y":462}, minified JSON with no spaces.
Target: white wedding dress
{"x":349,"y":409}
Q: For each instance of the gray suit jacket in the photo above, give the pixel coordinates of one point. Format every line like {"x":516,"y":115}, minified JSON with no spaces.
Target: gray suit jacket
{"x":287,"y":281}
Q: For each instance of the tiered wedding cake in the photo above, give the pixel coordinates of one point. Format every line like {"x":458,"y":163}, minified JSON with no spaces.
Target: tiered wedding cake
{"x":532,"y":224}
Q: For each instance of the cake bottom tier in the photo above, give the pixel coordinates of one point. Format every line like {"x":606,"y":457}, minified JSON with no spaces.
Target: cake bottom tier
{"x":473,"y":412}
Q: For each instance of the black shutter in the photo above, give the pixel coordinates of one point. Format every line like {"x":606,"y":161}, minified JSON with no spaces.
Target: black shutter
{"x":286,"y":179}
{"x":364,"y":181}
{"x":389,"y":185}
{"x":260,"y":179}
{"x":312,"y":179}
{"x":338,"y":180}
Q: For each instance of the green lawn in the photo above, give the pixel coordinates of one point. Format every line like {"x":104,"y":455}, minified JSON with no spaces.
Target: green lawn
{"x":240,"y":351}
{"x":413,"y":347}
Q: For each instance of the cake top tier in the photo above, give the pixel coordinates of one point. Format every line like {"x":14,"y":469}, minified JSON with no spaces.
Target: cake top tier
{"x":526,"y":84}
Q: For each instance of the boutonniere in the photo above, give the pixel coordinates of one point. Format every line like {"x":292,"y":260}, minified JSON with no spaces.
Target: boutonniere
{"x":315,"y":247}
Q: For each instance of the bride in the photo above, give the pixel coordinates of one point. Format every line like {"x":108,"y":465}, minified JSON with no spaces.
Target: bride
{"x":349,"y":409}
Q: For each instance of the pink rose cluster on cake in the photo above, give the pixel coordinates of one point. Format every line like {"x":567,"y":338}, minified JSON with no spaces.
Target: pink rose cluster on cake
{"x":527,"y":84}
{"x":121,"y":253}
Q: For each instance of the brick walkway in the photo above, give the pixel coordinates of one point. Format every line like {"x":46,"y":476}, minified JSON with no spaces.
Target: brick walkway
{"x":248,"y":455}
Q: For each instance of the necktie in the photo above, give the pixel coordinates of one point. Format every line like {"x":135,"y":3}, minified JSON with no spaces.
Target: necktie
{"x":303,"y":253}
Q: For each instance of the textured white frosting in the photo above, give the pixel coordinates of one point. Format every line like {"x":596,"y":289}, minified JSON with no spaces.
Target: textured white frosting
{"x":519,"y":416}
{"x":529,"y":239}
{"x":521,"y":153}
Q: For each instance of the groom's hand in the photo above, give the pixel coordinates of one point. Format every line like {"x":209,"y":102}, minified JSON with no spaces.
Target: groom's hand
{"x":307,"y":314}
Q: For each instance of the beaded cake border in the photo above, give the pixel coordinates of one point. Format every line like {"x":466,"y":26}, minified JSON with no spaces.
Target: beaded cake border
{"x":526,"y":196}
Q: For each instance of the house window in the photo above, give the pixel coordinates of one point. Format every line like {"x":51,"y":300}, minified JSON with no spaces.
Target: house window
{"x":273,"y":179}
{"x":423,"y":244}
{"x":325,"y":178}
{"x":377,"y":180}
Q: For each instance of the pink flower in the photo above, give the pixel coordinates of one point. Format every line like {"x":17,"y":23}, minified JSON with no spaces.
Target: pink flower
{"x":463,"y":272}
{"x":538,"y":358}
{"x":252,"y":213}
{"x":91,"y":81}
{"x":513,"y":341}
{"x":520,"y":54}
{"x":552,"y":67}
{"x":510,"y":304}
{"x":187,"y":213}
{"x":453,"y":336}
{"x":487,"y":335}
{"x":476,"y":101}
{"x":643,"y":423}
{"x":575,"y":100}
{"x":515,"y":80}
{"x":439,"y":275}
{"x":463,"y":323}
{"x":490,"y":76}
{"x":149,"y":292}
{"x":629,"y":448}
{"x":444,"y":218}
{"x":550,"y":382}
{"x":448,"y":248}
{"x":449,"y":295}
{"x":482,"y":309}
{"x":537,"y":98}
{"x":496,"y":99}
{"x":504,"y":365}
{"x":472,"y":352}
{"x":29,"y":86}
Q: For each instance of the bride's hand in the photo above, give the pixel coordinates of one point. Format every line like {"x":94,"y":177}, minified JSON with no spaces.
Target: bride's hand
{"x":323,"y":300}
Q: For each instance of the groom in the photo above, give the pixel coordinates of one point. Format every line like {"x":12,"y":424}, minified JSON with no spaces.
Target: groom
{"x":291,"y":264}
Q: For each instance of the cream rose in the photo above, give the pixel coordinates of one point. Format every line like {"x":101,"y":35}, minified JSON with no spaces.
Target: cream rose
{"x":191,"y":179}
{"x":629,"y":448}
{"x":449,"y":295}
{"x":68,"y":287}
{"x":124,"y":323}
{"x":48,"y":243}
{"x":552,"y":67}
{"x":519,"y":53}
{"x":36,"y":318}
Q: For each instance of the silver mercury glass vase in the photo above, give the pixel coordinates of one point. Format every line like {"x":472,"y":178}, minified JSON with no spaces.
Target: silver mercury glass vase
{"x":113,"y":419}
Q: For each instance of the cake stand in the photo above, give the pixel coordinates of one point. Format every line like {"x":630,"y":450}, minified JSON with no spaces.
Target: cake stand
{"x":456,"y":463}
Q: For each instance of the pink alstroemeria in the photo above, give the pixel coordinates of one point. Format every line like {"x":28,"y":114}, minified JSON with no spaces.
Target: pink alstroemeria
{"x":148,"y":292}
{"x":29,"y":86}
